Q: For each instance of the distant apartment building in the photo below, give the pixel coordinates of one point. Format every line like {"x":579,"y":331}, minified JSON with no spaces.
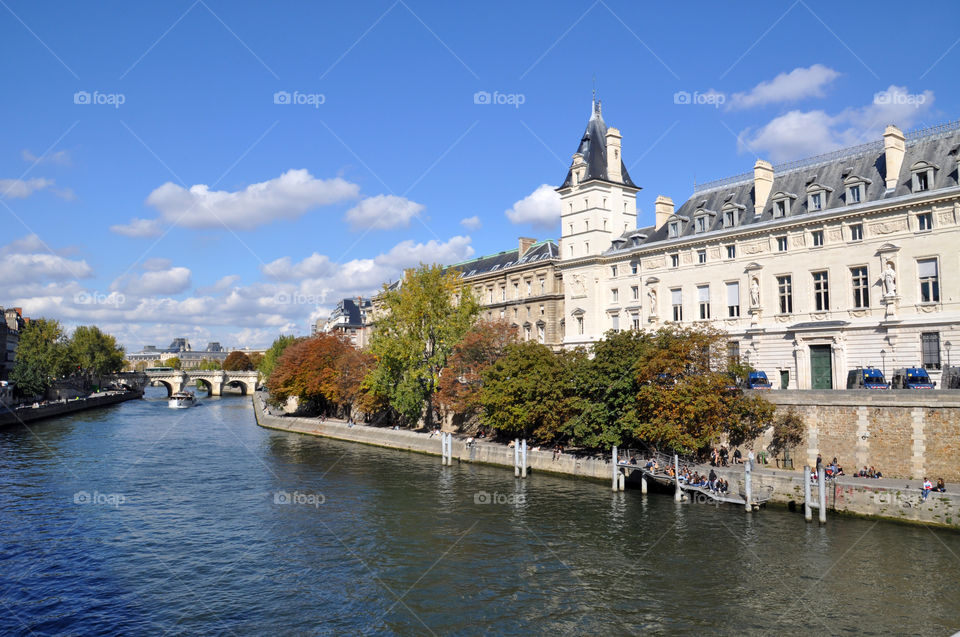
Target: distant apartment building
{"x":350,"y":318}
{"x":10,"y":326}
{"x":522,"y":287}
{"x":180,"y":348}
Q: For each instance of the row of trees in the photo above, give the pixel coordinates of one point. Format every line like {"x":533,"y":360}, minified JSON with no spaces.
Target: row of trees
{"x":430,"y":359}
{"x":45,"y":353}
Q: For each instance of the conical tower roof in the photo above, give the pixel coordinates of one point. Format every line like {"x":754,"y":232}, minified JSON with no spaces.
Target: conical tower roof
{"x":593,"y":147}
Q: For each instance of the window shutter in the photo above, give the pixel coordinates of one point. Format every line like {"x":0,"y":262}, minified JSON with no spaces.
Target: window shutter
{"x":927,"y":267}
{"x":703,"y":293}
{"x":676,"y":296}
{"x":733,"y":293}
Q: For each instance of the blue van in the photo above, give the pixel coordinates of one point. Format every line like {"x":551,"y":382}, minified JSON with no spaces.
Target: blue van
{"x":758,"y":380}
{"x":912,"y":378}
{"x":866,"y":378}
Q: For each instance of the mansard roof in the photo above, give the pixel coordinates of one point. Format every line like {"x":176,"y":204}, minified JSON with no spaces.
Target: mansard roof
{"x":938,"y":146}
{"x":542,"y":251}
{"x":593,"y":147}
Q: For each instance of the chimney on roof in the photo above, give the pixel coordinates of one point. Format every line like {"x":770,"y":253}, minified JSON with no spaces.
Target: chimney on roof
{"x":613,"y":155}
{"x":663,"y":207}
{"x":525,"y":243}
{"x":893,"y":150}
{"x":762,"y":184}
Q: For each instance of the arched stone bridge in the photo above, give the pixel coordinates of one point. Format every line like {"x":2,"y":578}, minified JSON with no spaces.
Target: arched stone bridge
{"x":176,"y":380}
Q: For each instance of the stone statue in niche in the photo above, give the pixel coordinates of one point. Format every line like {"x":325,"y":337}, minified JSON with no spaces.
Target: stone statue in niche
{"x":889,"y":280}
{"x":754,"y":292}
{"x":652,"y":298}
{"x":579,"y":286}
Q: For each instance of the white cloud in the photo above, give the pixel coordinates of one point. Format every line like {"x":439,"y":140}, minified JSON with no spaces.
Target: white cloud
{"x":541,"y":208}
{"x":472,"y":223}
{"x":288,"y":196}
{"x":152,"y":265}
{"x":804,"y":133}
{"x":22,"y":188}
{"x":222,"y":284}
{"x":316,"y":265}
{"x":29,"y":261}
{"x":139,"y":228}
{"x":61,"y":157}
{"x":798,"y":84}
{"x":408,"y":254}
{"x":383,"y":212}
{"x":154,"y":282}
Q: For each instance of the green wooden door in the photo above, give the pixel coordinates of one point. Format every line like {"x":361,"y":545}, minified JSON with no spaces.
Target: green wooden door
{"x":784,"y":379}
{"x":821,"y":369}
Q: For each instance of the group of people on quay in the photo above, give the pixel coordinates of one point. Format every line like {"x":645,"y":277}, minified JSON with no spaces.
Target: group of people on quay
{"x":710,"y":481}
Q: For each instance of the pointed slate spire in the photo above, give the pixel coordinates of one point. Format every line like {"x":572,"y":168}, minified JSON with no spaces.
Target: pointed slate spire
{"x":593,"y":147}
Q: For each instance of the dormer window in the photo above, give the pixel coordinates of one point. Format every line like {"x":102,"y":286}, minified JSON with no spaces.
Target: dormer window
{"x":673,"y":229}
{"x":701,"y":224}
{"x":781,"y":204}
{"x":728,"y":218}
{"x":856,"y":188}
{"x":817,"y":197}
{"x":922,"y":175}
{"x":730,"y":213}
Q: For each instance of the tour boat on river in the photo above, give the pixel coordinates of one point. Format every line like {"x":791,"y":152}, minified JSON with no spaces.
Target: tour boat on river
{"x":181,"y":400}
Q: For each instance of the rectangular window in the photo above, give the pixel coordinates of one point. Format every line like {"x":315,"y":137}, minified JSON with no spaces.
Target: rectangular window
{"x":703,"y":299}
{"x":541,"y":334}
{"x":821,"y":291}
{"x":613,"y":271}
{"x":543,"y":310}
{"x":674,"y":229}
{"x":490,"y":295}
{"x":701,"y":256}
{"x":816,"y":201}
{"x":529,"y":284}
{"x":861,"y":287}
{"x":516,"y":313}
{"x":516,"y":290}
{"x":543,"y":286}
{"x":579,"y":325}
{"x":701,"y":224}
{"x":785,"y":293}
{"x":731,"y":252}
{"x":854,"y":194}
{"x":674,"y":260}
{"x":615,"y":322}
{"x":501,"y":312}
{"x":728,"y":219}
{"x":929,"y":275}
{"x":614,"y":295}
{"x":733,"y":352}
{"x":780,"y":209}
{"x":781,"y":244}
{"x":634,"y":267}
{"x":817,"y":238}
{"x":634,"y":292}
{"x":922,"y":183}
{"x":733,"y":299}
{"x":503,"y":294}
{"x":925,"y":221}
{"x":930,"y":342}
{"x":636,"y":322}
{"x":676,"y":297}
{"x":856,"y":232}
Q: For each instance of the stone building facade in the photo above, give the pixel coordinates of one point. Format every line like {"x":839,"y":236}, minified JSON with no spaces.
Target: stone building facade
{"x":522,"y":287}
{"x":813,"y":268}
{"x":351,"y":318}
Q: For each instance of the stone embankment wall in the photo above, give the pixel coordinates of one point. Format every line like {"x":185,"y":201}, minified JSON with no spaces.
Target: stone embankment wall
{"x":30,"y":414}
{"x":860,"y":497}
{"x":905,"y":434}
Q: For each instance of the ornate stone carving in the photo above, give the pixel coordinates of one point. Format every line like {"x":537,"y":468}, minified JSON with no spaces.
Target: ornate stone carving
{"x":687,"y":257}
{"x":798,"y":241}
{"x":715,"y":252}
{"x":835,"y":234}
{"x":654,"y":263}
{"x":754,"y":247}
{"x":889,"y":227}
{"x":945,"y":218}
{"x":578,"y":286}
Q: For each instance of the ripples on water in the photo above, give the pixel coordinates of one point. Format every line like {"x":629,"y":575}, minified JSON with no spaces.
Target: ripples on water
{"x":399,"y":544}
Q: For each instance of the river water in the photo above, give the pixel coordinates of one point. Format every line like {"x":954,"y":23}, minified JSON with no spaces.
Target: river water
{"x":142,"y":520}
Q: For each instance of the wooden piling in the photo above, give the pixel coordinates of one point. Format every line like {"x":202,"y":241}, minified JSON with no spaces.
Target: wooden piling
{"x":523,"y":459}
{"x":747,"y":486}
{"x":807,"y":513}
{"x":516,"y":457}
{"x":822,"y":488}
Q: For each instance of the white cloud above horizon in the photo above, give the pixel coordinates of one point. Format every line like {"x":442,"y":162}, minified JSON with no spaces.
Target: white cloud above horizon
{"x":799,"y":133}
{"x":472,"y":223}
{"x":139,"y":228}
{"x":60,"y":157}
{"x":792,"y":86}
{"x":383,"y":212}
{"x":541,"y":209}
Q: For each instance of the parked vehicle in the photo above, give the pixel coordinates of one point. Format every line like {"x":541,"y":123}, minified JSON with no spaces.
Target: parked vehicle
{"x":912,"y":378}
{"x":758,"y":380}
{"x":950,"y":378}
{"x":866,"y":378}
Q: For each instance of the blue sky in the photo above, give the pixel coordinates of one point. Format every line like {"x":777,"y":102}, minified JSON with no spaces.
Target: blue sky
{"x":227,"y":170}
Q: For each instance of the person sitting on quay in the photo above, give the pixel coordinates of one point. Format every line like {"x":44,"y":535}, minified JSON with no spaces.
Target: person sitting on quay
{"x":714,"y":457}
{"x":723,"y":455}
{"x":874,"y":473}
{"x":633,"y":460}
{"x":927,"y":488}
{"x":941,"y":487}
{"x":737,"y":456}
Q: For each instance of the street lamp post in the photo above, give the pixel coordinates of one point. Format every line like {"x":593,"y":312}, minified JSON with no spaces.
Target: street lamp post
{"x":883,"y":357}
{"x":948,"y":345}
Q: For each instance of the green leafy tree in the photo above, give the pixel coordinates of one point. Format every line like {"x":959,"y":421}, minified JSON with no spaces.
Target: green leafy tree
{"x":93,"y":353}
{"x":207,"y":364}
{"x":422,"y":321}
{"x":256,"y":358}
{"x":527,"y":392}
{"x":273,"y":354}
{"x":173,"y":362}
{"x":237,"y":361}
{"x":42,"y":355}
{"x":459,"y":388}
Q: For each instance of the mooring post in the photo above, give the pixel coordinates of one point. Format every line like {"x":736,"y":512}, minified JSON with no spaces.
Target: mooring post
{"x":822,"y":488}
{"x":807,"y":513}
{"x":678,"y":494}
{"x":449,"y":449}
{"x":747,"y":486}
{"x":516,"y":458}
{"x":643,"y":484}
{"x":523,"y":459}
{"x":614,"y":461}
{"x":622,"y":480}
